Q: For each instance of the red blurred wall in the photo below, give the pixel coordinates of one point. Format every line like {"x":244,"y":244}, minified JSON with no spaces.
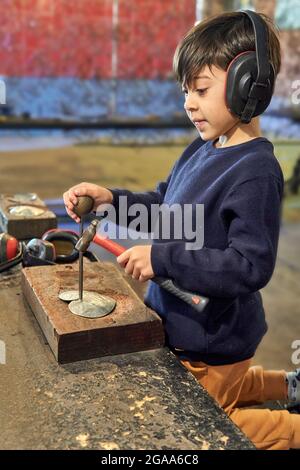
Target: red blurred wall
{"x":59,"y":38}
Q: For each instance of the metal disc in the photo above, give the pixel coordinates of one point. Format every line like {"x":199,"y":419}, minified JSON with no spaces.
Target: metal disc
{"x":97,"y":306}
{"x":26,"y":211}
{"x":69,"y":295}
{"x":24,"y":197}
{"x":88,"y":296}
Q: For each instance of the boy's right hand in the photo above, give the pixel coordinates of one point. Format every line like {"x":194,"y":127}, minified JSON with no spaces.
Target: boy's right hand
{"x":100,"y":195}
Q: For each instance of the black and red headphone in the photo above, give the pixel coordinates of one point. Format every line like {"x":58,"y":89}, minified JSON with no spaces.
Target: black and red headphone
{"x":64,"y":242}
{"x":250,"y":76}
{"x":11,"y":251}
{"x":56,"y":246}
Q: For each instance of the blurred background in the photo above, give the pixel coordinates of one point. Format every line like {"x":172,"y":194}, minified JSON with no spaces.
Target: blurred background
{"x":90,"y":96}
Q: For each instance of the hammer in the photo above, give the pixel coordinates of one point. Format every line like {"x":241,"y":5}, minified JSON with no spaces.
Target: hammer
{"x":198,"y":302}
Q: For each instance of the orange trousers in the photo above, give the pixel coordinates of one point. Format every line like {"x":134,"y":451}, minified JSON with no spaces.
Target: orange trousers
{"x":237,"y":386}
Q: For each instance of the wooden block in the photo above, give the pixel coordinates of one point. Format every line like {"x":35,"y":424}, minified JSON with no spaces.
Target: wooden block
{"x":130,"y":327}
{"x":25,"y":227}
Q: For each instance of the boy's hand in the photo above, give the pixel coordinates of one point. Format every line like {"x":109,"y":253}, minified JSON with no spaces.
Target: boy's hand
{"x":100,"y":195}
{"x":138,"y":262}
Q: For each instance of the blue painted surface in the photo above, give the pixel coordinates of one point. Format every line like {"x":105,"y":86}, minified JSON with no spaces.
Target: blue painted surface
{"x":69,"y":98}
{"x":287,"y":14}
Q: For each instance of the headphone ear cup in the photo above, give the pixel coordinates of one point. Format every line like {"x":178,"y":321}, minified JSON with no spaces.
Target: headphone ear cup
{"x":11,"y":252}
{"x":9,"y":247}
{"x":241,"y":74}
{"x":64,"y":242}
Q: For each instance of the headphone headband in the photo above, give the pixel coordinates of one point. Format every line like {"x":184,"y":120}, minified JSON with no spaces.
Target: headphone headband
{"x":261,"y":46}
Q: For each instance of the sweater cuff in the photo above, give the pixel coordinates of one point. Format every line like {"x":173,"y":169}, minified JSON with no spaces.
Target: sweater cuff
{"x":116,"y":193}
{"x":159,"y":257}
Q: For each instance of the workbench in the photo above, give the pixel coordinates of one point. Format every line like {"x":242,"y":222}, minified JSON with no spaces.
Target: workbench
{"x":145,"y":400}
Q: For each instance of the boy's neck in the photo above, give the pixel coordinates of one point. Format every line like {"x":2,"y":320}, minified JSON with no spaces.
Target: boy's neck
{"x":241,"y":133}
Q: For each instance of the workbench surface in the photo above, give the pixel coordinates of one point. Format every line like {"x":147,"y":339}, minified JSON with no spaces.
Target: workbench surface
{"x":144,"y":400}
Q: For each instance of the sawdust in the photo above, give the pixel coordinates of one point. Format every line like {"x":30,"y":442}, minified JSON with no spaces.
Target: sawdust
{"x":83,"y":439}
{"x":109,"y":445}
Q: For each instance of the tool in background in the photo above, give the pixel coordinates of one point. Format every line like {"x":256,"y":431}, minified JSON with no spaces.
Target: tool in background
{"x":198,"y":302}
{"x":55,"y":246}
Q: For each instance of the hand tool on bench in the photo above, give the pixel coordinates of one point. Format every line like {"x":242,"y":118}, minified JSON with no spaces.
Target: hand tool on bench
{"x":84,"y":206}
{"x":84,"y":303}
{"x":198,"y":302}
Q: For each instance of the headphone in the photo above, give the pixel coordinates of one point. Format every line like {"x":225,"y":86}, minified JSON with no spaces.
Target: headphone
{"x":250,"y":76}
{"x":11,"y":251}
{"x":64,"y":242}
{"x":55,"y":246}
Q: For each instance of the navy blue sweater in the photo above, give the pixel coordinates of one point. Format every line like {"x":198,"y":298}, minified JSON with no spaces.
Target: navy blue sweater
{"x":241,"y":188}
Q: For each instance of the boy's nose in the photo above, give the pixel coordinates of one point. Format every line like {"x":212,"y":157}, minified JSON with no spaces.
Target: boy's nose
{"x":190,"y":103}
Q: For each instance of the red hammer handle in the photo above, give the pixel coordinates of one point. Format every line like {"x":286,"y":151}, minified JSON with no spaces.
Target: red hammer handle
{"x":109,"y":245}
{"x":198,"y":302}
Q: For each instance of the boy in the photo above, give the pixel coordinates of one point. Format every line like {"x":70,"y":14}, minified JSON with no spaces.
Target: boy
{"x":232,"y":170}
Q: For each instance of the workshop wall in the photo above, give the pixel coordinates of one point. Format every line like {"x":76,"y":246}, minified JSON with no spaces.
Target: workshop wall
{"x":94,"y":59}
{"x":61,"y":57}
{"x":43,"y":38}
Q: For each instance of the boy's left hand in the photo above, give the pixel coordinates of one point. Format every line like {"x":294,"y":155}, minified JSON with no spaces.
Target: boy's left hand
{"x":138,"y":262}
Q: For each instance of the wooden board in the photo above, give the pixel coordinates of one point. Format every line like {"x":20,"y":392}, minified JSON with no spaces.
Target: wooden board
{"x":130,"y":327}
{"x":21,"y":227}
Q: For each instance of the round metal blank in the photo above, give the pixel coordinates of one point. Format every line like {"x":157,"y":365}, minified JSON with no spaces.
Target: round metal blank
{"x":96,"y":307}
{"x":24,"y":197}
{"x":87,"y":296}
{"x":69,"y":295}
{"x":26,"y":211}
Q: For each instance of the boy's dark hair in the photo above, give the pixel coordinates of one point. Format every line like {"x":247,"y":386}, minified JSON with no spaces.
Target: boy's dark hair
{"x":217,"y":40}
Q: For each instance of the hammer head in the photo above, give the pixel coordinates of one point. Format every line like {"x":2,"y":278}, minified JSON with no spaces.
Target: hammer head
{"x":87,"y":237}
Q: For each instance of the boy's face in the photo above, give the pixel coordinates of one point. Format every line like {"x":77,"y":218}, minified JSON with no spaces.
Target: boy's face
{"x":205,"y":104}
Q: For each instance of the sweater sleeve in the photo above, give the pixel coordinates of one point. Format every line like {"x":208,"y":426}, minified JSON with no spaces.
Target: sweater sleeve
{"x":147,"y":199}
{"x":251,"y":215}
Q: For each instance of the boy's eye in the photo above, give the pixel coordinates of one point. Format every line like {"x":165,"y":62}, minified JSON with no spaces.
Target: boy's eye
{"x":202,"y":91}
